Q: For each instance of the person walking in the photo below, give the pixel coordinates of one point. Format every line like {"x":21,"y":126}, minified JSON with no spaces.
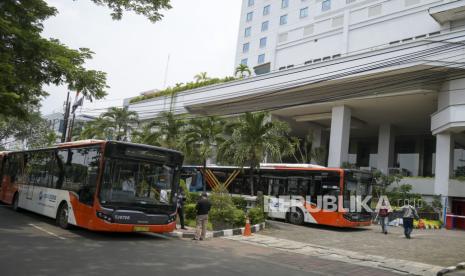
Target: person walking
{"x":408,"y":215}
{"x":203,"y":207}
{"x":181,"y":198}
{"x":383,"y":218}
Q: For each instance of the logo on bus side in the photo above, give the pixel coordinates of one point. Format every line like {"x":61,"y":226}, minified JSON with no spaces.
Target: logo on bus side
{"x":50,"y":197}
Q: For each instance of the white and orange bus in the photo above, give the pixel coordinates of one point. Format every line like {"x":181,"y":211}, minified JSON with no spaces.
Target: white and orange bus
{"x":288,"y":180}
{"x":98,"y":185}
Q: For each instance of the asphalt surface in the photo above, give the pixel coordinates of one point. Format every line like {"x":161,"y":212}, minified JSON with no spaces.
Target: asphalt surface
{"x":32,"y":245}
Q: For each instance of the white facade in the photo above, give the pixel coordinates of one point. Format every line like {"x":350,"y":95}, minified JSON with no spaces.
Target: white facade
{"x":380,"y":83}
{"x":344,"y":28}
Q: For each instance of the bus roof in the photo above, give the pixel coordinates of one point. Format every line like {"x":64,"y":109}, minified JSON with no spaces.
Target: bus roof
{"x":79,"y":143}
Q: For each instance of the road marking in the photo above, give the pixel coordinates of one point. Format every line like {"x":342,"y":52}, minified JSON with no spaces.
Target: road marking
{"x":46,"y":231}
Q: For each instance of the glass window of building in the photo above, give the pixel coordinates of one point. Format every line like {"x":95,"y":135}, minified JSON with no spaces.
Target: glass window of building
{"x":251,"y":3}
{"x":263,"y":42}
{"x":304,"y":12}
{"x":245,"y":47}
{"x":265,"y":26}
{"x":284,"y":4}
{"x":261,"y":59}
{"x":283,"y":20}
{"x":248,"y":31}
{"x":326,"y":5}
{"x":244,"y":61}
{"x":266,"y":9}
{"x":249,"y":16}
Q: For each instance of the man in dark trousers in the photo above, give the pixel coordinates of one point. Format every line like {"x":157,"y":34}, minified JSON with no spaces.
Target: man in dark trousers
{"x":203,"y":207}
{"x":180,"y":207}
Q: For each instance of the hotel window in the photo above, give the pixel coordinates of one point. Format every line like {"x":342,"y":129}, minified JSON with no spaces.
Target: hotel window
{"x":265,"y":26}
{"x":250,"y":3}
{"x":263,"y":42}
{"x":326,"y":5}
{"x":266,"y":9}
{"x":304,"y":12}
{"x":249,"y":16}
{"x":244,"y":61}
{"x":283,"y":20}
{"x":248,"y":31}
{"x":261,"y":59}
{"x":245,"y":47}
{"x":284,"y":4}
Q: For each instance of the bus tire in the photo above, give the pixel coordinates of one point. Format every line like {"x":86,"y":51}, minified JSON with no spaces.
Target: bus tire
{"x":62,"y":216}
{"x":295,"y":216}
{"x":15,"y":203}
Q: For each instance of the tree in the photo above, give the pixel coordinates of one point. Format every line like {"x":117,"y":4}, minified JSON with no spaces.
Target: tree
{"x":242,"y":70}
{"x":28,"y":61}
{"x":252,"y":138}
{"x":32,"y":132}
{"x":305,"y":152}
{"x":96,"y":129}
{"x":201,"y":77}
{"x":121,"y":121}
{"x":170,"y":130}
{"x":202,"y":136}
{"x":148,"y":8}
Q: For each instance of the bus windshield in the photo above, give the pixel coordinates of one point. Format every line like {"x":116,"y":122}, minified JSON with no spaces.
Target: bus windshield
{"x":136,"y":182}
{"x":356,"y":184}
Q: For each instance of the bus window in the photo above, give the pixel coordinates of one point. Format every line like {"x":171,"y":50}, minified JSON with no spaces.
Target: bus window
{"x":14,"y":167}
{"x":36,"y":168}
{"x":79,"y":172}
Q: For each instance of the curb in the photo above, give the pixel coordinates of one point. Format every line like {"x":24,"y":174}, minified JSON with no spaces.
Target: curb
{"x":215,"y":234}
{"x":450,"y":269}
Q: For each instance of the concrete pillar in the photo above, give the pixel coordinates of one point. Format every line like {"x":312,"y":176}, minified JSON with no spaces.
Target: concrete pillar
{"x":339,"y":136}
{"x":444,"y":162}
{"x":385,"y":148}
{"x":317,"y":141}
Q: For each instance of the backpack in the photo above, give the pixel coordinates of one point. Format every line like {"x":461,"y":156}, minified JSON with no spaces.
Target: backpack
{"x":383,"y":212}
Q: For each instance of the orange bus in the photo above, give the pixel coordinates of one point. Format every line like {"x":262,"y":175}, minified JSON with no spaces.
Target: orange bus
{"x":307,"y":181}
{"x":93,"y":184}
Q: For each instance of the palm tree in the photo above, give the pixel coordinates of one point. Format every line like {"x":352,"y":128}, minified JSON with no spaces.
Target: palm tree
{"x":201,"y":77}
{"x":241,"y":70}
{"x":147,"y":135}
{"x":252,"y":138}
{"x":96,"y":129}
{"x":203,"y":135}
{"x":305,"y":152}
{"x":169,"y":129}
{"x":122,"y":121}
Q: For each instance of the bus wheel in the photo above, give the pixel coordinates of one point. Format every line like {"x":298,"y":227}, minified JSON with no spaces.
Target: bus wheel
{"x":296,"y":217}
{"x":15,"y":205}
{"x":62,"y":216}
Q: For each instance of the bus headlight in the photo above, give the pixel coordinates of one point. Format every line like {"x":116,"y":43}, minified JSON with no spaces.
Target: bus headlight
{"x":104,"y":216}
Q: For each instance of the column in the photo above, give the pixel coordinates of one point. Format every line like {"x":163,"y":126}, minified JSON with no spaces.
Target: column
{"x":444,"y":155}
{"x":339,"y":136}
{"x":385,"y":148}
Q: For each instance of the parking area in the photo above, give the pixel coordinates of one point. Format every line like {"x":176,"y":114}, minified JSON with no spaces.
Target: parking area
{"x":437,"y":247}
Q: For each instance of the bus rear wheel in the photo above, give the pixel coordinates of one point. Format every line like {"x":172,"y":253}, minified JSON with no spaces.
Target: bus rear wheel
{"x":15,"y":204}
{"x":295,"y":217}
{"x":62,"y":216}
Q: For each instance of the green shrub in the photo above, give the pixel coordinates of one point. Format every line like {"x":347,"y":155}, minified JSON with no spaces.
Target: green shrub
{"x":238,"y":218}
{"x":239,"y":202}
{"x":192,"y":198}
{"x":256,"y":215}
{"x":190,"y":211}
{"x":193,"y":223}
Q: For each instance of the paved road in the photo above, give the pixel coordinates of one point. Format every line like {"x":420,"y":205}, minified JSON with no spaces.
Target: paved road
{"x":33,"y":245}
{"x":437,"y":247}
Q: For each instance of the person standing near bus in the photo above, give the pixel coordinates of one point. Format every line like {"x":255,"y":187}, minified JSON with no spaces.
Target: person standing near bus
{"x":181,"y":198}
{"x":203,"y":208}
{"x":408,"y":215}
{"x":383,"y":217}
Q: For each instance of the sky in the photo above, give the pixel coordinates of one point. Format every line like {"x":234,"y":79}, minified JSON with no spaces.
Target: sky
{"x":198,"y":36}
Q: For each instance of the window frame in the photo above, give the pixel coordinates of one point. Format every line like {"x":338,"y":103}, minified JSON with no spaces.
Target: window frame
{"x":283,"y":20}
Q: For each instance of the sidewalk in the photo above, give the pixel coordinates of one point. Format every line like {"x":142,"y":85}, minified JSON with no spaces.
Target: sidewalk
{"x":346,"y":256}
{"x":437,"y":247}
